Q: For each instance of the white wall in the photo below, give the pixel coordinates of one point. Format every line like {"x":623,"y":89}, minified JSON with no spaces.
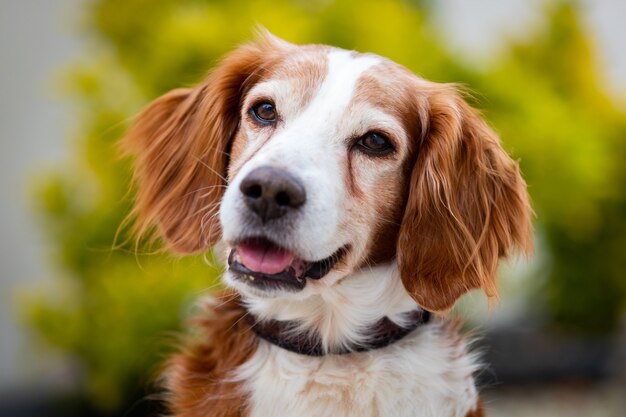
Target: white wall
{"x":36,"y":40}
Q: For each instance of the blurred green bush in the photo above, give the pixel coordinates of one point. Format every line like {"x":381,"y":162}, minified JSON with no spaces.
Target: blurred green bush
{"x":114,"y":309}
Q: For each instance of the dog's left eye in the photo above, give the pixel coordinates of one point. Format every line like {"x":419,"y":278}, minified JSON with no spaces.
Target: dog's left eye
{"x":374,"y":143}
{"x":264,"y":112}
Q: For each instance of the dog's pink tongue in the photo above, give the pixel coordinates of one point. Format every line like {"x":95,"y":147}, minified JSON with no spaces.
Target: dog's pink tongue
{"x":264,"y":258}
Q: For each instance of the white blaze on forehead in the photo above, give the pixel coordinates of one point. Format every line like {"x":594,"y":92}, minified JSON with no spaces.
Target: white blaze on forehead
{"x":344,"y":70}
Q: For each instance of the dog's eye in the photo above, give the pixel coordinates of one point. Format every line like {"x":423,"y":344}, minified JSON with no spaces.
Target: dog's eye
{"x":374,"y":143}
{"x":264,"y":112}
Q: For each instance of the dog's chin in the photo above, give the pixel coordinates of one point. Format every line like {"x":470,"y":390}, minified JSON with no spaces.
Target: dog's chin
{"x":259,"y":267}
{"x":250,"y":292}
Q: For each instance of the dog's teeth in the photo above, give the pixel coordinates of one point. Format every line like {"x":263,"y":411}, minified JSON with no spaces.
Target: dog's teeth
{"x":250,"y":277}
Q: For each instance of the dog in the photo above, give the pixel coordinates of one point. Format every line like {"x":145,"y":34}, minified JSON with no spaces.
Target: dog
{"x":353,"y":203}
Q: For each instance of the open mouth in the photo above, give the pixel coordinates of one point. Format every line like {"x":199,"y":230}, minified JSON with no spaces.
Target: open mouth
{"x":267,"y":265}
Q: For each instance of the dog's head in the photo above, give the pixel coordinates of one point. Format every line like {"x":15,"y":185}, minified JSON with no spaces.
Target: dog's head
{"x":310,"y":162}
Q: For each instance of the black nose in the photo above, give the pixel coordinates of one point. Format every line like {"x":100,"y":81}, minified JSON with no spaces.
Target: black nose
{"x":271,"y":192}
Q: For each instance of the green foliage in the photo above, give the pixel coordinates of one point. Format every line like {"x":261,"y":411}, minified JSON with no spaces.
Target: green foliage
{"x":120,"y":323}
{"x":114,"y":311}
{"x":546,"y":102}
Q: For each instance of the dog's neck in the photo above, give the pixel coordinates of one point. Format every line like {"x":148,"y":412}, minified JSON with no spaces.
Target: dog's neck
{"x":345,"y":312}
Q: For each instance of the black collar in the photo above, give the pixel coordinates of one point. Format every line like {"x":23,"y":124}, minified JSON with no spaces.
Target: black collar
{"x":383,"y":333}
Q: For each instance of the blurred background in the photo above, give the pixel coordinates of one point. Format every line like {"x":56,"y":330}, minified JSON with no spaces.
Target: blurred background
{"x":85,"y":318}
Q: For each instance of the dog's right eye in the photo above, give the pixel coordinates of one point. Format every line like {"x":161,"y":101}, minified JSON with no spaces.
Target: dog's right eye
{"x":264,"y":112}
{"x":374,"y":143}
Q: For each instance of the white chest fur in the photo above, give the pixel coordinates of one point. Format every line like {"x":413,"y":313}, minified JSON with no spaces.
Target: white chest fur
{"x":427,"y":374}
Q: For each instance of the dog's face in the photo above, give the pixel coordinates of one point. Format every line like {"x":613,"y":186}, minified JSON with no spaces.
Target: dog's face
{"x":316,"y":171}
{"x":310,"y":162}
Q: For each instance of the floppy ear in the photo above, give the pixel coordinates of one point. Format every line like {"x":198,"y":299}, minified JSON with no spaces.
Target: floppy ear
{"x":181,"y":143}
{"x":467,"y":206}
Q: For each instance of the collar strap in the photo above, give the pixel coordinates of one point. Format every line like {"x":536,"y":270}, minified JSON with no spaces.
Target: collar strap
{"x":383,"y":333}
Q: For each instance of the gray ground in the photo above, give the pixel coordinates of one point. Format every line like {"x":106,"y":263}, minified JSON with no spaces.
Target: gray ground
{"x":557,"y":401}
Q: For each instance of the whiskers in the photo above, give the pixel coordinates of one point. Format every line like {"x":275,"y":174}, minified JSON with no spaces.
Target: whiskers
{"x":210,"y":168}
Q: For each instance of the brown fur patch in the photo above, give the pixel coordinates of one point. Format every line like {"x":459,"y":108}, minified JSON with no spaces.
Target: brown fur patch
{"x":478,"y":411}
{"x":467,"y":205}
{"x":351,"y":184}
{"x":181,"y":143}
{"x":390,"y":88}
{"x":387,"y":86}
{"x":307,"y":70}
{"x":198,"y":379}
{"x":383,"y":243}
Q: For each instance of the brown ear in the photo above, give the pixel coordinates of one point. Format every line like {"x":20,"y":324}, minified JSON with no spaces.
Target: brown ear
{"x":181,"y":143}
{"x":467,"y":206}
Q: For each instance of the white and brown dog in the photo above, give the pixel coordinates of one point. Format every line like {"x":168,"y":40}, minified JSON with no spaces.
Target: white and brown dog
{"x":351,"y":199}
